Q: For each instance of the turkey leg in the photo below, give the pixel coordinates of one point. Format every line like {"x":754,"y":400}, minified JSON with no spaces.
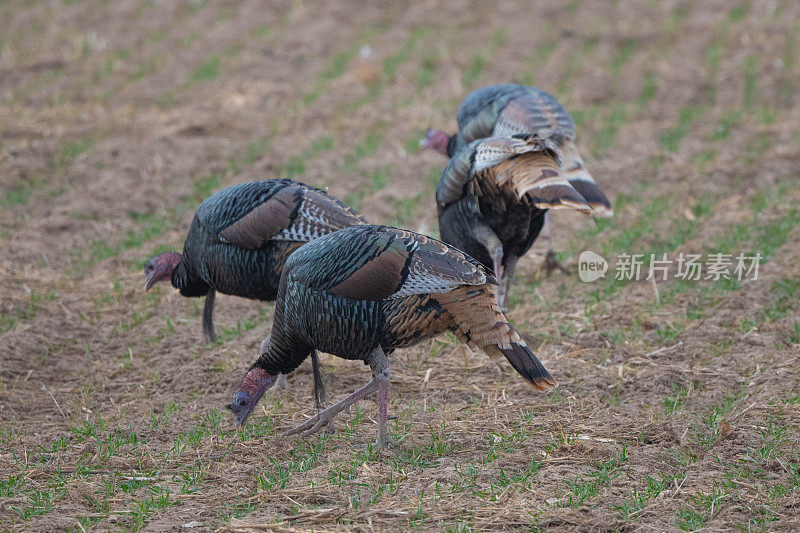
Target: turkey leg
{"x":508,"y":279}
{"x":489,"y":240}
{"x":550,"y":262}
{"x":379,"y":364}
{"x":208,"y":317}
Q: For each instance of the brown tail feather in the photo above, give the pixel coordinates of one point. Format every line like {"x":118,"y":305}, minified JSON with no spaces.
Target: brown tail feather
{"x":600,"y":205}
{"x":559,"y":196}
{"x":578,"y":176}
{"x":538,"y":175}
{"x":528,"y":365}
{"x":479,"y":322}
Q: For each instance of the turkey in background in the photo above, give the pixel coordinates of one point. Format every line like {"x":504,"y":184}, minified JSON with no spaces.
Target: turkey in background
{"x":241,"y":237}
{"x":509,"y":110}
{"x":492,"y":196}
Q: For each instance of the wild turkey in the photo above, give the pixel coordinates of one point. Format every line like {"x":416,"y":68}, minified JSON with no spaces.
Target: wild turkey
{"x":364,"y":291}
{"x":509,"y":109}
{"x":241,"y":237}
{"x":491,"y":198}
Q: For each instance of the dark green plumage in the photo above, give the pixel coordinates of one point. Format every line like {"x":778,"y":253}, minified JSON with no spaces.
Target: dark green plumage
{"x":241,"y":237}
{"x":494,"y":196}
{"x":363,"y":291}
{"x":369,"y":287}
{"x":481,"y":110}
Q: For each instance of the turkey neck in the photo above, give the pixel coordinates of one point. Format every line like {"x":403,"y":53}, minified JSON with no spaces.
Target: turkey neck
{"x":184,"y":279}
{"x":453,"y":145}
{"x":282,"y":356}
{"x":285,"y":351}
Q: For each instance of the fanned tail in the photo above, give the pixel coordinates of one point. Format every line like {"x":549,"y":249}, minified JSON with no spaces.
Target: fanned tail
{"x":578,"y":176}
{"x":538,"y":176}
{"x":479,"y":322}
{"x":527,"y":364}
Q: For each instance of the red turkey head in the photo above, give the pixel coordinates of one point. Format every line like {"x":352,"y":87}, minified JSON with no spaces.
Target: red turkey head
{"x":160,"y":268}
{"x":253,"y":386}
{"x":436,"y":140}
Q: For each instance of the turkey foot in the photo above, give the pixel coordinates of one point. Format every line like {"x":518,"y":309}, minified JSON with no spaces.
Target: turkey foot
{"x":326,"y":416}
{"x":380,"y":381}
{"x":551,"y":264}
{"x":383,"y":406}
{"x":383,"y":439}
{"x":281,"y":382}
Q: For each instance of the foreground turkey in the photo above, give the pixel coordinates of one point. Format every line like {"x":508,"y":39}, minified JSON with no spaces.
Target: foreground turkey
{"x":363,"y":291}
{"x":509,"y":109}
{"x":241,"y":237}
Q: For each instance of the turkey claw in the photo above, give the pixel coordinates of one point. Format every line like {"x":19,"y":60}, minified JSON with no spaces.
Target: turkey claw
{"x":377,"y":445}
{"x":551,"y":264}
{"x":390,"y":443}
{"x":282,"y":383}
{"x":312,"y":425}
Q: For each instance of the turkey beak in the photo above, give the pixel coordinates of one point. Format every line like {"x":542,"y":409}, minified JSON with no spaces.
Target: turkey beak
{"x":424,"y":144}
{"x":150,"y":272}
{"x":240,"y":408}
{"x":239,"y":423}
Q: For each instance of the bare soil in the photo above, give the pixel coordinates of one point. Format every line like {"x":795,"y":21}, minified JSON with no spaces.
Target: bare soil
{"x":679,"y":401}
